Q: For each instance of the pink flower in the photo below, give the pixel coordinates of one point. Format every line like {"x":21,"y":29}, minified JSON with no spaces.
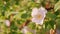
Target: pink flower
{"x":38,"y":15}
{"x":24,"y":30}
{"x":7,"y":22}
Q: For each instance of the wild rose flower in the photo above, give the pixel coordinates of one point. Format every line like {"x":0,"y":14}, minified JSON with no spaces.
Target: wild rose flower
{"x":7,"y":22}
{"x":26,"y":29}
{"x":38,"y":15}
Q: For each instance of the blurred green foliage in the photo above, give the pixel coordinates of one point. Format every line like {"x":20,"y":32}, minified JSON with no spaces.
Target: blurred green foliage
{"x":21,"y":10}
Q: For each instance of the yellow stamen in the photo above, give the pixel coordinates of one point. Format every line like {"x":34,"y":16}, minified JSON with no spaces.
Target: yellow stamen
{"x":39,"y":16}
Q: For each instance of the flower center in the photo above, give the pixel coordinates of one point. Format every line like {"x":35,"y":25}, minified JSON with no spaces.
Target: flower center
{"x":39,"y":16}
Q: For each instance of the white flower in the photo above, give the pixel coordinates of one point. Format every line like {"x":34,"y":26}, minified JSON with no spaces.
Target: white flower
{"x":7,"y":22}
{"x":24,"y":30}
{"x":34,"y":12}
{"x":38,"y":15}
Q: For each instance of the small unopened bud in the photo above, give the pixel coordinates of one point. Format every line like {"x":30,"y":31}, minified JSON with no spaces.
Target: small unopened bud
{"x":7,"y":22}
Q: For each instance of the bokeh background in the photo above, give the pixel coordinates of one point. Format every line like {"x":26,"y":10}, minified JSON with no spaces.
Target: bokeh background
{"x":18,"y":11}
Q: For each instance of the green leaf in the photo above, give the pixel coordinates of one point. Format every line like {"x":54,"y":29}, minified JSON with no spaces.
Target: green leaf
{"x":12,"y":32}
{"x":24,"y":15}
{"x":32,"y":25}
{"x":57,"y":6}
{"x":58,"y":23}
{"x":46,"y":25}
{"x":13,"y":26}
{"x":51,"y":15}
{"x":57,"y":12}
{"x":18,"y":22}
{"x":51,"y":23}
